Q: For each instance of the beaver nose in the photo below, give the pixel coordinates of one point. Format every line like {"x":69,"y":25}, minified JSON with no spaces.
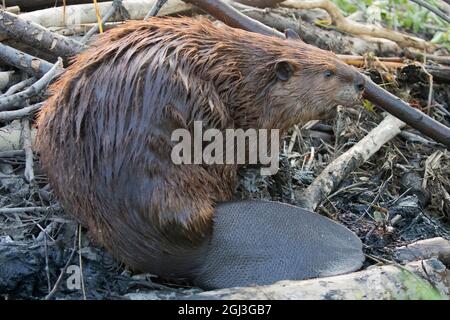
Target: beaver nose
{"x":360,"y":84}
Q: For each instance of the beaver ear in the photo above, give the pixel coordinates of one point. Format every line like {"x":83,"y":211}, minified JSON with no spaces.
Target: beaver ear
{"x":291,"y":34}
{"x":284,"y":70}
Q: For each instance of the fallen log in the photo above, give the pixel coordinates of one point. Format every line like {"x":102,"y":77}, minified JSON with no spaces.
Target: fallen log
{"x":417,"y":280}
{"x":223,"y":11}
{"x":76,"y":15}
{"x":27,"y":5}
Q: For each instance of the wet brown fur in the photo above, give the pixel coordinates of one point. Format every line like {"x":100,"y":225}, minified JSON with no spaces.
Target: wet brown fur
{"x":104,"y":135}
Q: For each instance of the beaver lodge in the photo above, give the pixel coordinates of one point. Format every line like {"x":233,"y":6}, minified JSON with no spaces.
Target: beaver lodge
{"x":384,"y":176}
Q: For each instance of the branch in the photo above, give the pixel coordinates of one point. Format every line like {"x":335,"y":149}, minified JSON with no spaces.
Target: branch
{"x":115,"y":6}
{"x":37,"y":36}
{"x":413,"y":117}
{"x":23,"y":61}
{"x":345,"y":25}
{"x":14,"y":100}
{"x":223,"y":11}
{"x":21,"y":113}
{"x":436,"y":11}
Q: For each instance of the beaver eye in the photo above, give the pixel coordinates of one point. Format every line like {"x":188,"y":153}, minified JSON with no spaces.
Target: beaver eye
{"x":328,"y":73}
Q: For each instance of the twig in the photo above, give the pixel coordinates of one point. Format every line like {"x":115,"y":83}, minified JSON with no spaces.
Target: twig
{"x":99,"y":18}
{"x":412,"y":137}
{"x":12,"y":101}
{"x":223,"y":11}
{"x":12,"y":154}
{"x":26,"y":136}
{"x":416,"y":119}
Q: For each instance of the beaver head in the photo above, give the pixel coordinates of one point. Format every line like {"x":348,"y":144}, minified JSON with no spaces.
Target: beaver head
{"x":309,"y":84}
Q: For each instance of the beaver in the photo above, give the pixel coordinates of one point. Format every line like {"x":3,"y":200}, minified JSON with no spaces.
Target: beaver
{"x":104,"y":139}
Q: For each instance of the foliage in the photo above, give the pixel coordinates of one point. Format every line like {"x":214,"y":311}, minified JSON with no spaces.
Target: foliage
{"x":401,"y":14}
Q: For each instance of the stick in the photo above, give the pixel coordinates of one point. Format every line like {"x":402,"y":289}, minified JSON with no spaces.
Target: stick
{"x":155,"y":8}
{"x":111,"y":11}
{"x":19,"y":86}
{"x":436,"y":11}
{"x":14,"y":100}
{"x":23,"y":61}
{"x":37,"y":36}
{"x":330,"y":178}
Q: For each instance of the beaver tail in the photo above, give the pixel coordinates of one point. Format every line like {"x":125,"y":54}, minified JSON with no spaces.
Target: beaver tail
{"x":261,"y":242}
